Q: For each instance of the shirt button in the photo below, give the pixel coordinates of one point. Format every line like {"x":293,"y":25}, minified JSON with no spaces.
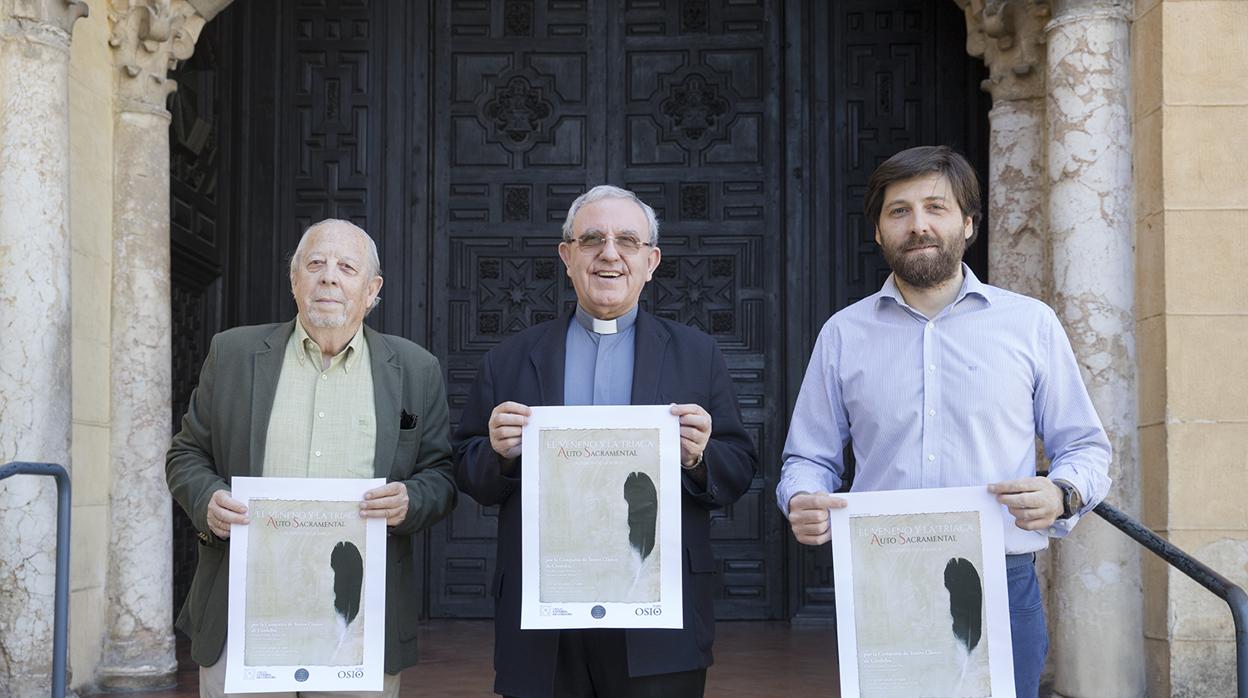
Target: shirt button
{"x":930,"y":367}
{"x":318,"y":454}
{"x":930,"y":456}
{"x":321,"y":415}
{"x":324,"y":377}
{"x":931,"y":413}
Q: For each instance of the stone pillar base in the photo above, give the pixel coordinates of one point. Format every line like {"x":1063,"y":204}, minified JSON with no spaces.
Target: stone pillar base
{"x":138,"y":665}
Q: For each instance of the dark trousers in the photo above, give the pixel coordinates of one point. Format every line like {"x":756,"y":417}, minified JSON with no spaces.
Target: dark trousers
{"x":594,"y":664}
{"x":1028,"y":630}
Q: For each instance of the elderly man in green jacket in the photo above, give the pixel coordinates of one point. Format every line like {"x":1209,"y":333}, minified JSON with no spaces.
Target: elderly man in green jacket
{"x":319,"y":396}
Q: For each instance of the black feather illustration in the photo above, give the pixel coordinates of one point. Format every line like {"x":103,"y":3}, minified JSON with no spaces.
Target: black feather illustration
{"x":643,"y":512}
{"x":348,"y":569}
{"x":966,"y":601}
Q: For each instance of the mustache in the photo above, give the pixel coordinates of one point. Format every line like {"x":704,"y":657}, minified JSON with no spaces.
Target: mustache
{"x":923,"y":241}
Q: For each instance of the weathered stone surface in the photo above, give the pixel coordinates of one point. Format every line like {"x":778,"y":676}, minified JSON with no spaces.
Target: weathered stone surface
{"x":1202,"y":669}
{"x":34,"y":324}
{"x":138,"y":651}
{"x":1017,"y":256}
{"x":1097,"y":600}
{"x":1198,"y":652}
{"x":149,"y":37}
{"x":40,"y":19}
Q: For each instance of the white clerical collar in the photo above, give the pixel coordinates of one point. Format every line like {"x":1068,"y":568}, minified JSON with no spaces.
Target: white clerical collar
{"x":613,"y":326}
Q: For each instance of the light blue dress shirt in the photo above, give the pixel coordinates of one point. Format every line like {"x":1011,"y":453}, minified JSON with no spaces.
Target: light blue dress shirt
{"x":953,"y":401}
{"x":598,"y":368}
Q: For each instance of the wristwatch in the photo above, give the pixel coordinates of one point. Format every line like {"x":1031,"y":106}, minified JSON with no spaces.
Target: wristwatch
{"x":1072,"y":502}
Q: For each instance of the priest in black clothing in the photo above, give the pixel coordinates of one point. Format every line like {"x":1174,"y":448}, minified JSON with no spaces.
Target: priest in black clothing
{"x":608,"y":352}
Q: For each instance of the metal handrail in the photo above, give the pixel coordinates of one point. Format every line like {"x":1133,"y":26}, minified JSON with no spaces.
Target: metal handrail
{"x":1202,"y":574}
{"x":61,"y":613}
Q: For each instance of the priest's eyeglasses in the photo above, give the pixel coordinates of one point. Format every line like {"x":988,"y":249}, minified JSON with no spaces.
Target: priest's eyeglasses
{"x":592,"y":243}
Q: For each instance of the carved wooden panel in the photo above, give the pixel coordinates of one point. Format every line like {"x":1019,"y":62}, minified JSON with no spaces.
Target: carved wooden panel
{"x":699,"y":139}
{"x":198,"y":243}
{"x":333,"y":97}
{"x":194,"y":156}
{"x":515,"y":145}
{"x":334,"y":113}
{"x":901,"y":81}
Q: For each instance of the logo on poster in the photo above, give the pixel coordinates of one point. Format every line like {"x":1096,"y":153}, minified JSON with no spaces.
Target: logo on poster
{"x":648,"y":611}
{"x":301,"y":674}
{"x":597,"y":612}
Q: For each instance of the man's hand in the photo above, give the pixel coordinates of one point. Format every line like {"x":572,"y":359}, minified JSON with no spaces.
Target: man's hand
{"x":808,"y":516}
{"x":695,"y":431}
{"x":1035,"y":502}
{"x":506,"y":425}
{"x":388,"y":501}
{"x":224,"y":510}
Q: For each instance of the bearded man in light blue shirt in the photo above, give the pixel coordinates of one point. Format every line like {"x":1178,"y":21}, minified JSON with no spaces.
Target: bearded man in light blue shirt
{"x":940,"y":380}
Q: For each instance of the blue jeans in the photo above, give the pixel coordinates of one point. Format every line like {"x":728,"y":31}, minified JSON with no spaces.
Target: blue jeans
{"x":1027,"y":627}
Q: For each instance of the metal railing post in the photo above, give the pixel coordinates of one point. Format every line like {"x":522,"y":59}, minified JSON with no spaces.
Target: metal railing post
{"x":60,"y":622}
{"x":1202,"y":574}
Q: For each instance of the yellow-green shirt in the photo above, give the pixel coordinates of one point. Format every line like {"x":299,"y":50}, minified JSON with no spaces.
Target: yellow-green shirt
{"x":324,"y":422}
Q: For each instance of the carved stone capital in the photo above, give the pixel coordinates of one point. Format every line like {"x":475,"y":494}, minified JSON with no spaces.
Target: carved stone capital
{"x":49,"y":21}
{"x":1009,"y":36}
{"x":149,"y":38}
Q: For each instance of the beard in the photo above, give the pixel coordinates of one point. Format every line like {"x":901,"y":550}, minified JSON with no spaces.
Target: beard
{"x":325,"y":319}
{"x":926,"y":270}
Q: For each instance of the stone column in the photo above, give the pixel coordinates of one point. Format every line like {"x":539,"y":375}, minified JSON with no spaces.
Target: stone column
{"x":1096,"y":600}
{"x":1009,"y":37}
{"x":34,"y":323}
{"x":148,"y":38}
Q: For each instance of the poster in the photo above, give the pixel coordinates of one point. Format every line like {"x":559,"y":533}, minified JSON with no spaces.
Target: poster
{"x":922,"y":606}
{"x":601,"y":493}
{"x":307,"y":587}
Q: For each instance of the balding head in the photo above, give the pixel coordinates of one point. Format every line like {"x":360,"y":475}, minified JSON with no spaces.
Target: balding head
{"x":334,"y":277}
{"x":373,"y":259}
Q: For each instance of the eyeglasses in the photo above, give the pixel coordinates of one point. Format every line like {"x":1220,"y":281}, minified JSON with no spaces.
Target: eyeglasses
{"x":626,"y":244}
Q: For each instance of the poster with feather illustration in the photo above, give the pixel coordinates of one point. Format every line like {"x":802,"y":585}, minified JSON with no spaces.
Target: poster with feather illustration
{"x":307,"y":587}
{"x":922,"y":607}
{"x":601,"y":491}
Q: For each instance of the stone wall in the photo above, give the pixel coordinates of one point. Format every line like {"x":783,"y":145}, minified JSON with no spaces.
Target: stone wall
{"x":1190,"y":82}
{"x":91,"y":106}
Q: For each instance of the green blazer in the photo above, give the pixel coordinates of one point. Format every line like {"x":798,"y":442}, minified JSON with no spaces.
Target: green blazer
{"x":223,"y":435}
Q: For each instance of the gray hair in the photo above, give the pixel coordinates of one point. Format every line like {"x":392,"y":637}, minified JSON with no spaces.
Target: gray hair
{"x":374,"y":260}
{"x":606,"y":191}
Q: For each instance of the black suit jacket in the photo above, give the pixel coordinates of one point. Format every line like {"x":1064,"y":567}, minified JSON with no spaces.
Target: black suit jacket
{"x":672,"y":363}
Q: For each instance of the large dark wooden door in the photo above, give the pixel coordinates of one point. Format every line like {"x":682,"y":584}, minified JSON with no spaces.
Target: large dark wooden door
{"x":458,"y":132}
{"x":675,"y":100}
